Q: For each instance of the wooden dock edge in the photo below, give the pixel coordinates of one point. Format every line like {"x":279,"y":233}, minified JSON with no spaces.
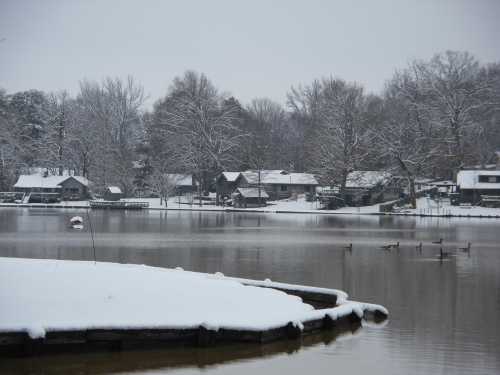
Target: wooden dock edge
{"x":20,"y":344}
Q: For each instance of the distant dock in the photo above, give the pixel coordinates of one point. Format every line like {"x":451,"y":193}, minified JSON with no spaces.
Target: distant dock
{"x":119,"y":205}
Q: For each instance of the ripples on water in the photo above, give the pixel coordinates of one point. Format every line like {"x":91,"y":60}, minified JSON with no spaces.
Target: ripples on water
{"x":443,"y":314}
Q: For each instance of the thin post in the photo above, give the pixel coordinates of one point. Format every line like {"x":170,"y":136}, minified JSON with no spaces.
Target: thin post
{"x":92,"y":236}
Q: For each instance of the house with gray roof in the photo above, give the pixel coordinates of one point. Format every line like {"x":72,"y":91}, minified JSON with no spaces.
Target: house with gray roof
{"x":43,"y":187}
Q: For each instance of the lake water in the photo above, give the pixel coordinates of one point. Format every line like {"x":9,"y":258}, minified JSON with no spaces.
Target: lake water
{"x":444,"y":315}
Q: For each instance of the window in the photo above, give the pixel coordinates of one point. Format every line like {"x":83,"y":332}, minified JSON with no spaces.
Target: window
{"x":489,"y":179}
{"x":284,"y":188}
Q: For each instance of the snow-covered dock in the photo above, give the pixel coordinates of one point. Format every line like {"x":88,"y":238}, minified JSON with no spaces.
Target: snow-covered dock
{"x":52,"y":305}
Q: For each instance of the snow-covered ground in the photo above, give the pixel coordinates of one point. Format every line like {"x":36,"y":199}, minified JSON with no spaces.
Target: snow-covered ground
{"x":37,"y":296}
{"x":299,"y":205}
{"x":425,"y":206}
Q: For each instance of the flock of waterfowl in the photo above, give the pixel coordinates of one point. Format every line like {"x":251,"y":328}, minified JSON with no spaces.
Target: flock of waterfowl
{"x":442,"y":254}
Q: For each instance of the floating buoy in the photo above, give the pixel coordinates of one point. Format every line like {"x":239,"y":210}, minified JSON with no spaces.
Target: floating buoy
{"x":76,"y":222}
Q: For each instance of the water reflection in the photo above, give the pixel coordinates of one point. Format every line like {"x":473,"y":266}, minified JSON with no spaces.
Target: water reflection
{"x":444,"y":315}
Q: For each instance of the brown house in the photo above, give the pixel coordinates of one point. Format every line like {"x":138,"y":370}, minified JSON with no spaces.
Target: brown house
{"x":37,"y":187}
{"x":278,"y":184}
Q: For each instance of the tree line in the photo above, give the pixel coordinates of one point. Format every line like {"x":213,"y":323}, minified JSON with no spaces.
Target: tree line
{"x":432,"y":118}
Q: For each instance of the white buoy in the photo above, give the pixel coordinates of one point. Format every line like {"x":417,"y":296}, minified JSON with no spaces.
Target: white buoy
{"x":76,"y":222}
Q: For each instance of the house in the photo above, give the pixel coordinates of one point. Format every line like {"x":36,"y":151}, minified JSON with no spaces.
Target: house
{"x":249,"y":197}
{"x":278,"y":184}
{"x":43,"y":188}
{"x":182,"y":183}
{"x":225,"y":185}
{"x":475,"y":185}
{"x":444,"y":188}
{"x":112,"y":193}
{"x":364,"y":188}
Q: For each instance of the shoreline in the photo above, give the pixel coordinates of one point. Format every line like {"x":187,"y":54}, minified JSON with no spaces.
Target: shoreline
{"x":262,"y":211}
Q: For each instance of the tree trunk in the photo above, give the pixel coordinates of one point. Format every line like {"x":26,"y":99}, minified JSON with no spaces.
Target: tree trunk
{"x":260,"y":197}
{"x":343,"y":184}
{"x":411,"y":190}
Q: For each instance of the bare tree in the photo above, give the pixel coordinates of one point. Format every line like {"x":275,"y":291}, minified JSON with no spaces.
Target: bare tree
{"x":405,"y":138}
{"x":338,"y":146}
{"x":199,"y":126}
{"x":111,"y":114}
{"x":55,"y":142}
{"x":454,"y":90}
{"x":305,"y":105}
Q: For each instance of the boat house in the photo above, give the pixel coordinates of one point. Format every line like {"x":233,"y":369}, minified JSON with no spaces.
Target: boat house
{"x":182,"y":183}
{"x":250,"y":197}
{"x":364,"y":188}
{"x":113,"y":193}
{"x":479,"y":187}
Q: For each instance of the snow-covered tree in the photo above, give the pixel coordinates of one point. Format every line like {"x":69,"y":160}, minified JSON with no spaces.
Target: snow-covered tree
{"x":198,"y":126}
{"x":109,"y":117}
{"x":406,"y":138}
{"x":454,"y":91}
{"x":340,"y":139}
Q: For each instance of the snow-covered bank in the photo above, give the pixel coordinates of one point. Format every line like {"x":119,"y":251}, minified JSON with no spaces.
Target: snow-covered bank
{"x":429,"y":207}
{"x":299,"y":205}
{"x":425,"y":207}
{"x":38,"y":296}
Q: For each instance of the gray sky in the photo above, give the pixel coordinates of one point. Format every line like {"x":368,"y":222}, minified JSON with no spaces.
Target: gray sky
{"x":252,"y":48}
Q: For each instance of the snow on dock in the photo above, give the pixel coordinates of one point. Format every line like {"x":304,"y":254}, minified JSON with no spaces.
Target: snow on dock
{"x":108,"y":301}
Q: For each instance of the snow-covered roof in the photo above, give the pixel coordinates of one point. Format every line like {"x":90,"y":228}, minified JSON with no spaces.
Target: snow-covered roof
{"x":279,"y":177}
{"x":230,"y":176}
{"x":367,"y":179}
{"x":114,"y":189}
{"x":252,"y":192}
{"x":81,"y":179}
{"x":481,"y":167}
{"x":50,"y":182}
{"x":470,"y":179}
{"x":178,"y":179}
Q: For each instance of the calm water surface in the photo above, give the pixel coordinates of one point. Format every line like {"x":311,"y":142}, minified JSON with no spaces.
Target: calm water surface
{"x":444,"y":316}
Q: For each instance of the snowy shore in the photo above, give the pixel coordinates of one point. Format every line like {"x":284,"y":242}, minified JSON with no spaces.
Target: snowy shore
{"x":40,"y":296}
{"x":425,"y":207}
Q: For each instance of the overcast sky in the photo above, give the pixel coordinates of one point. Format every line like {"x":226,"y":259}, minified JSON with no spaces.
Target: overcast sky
{"x":252,"y":48}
